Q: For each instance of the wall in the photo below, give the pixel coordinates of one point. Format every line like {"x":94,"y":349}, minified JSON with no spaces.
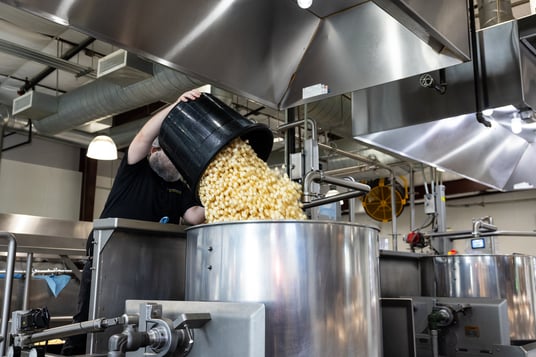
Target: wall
{"x":105,"y":177}
{"x":41,"y":178}
{"x":39,"y":190}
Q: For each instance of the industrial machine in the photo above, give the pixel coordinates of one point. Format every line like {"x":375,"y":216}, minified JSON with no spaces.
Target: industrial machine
{"x":451,"y":327}
{"x":317,"y":279}
{"x":161,"y":328}
{"x":467,"y":305}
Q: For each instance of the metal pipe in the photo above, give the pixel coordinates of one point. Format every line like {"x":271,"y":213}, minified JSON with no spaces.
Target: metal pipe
{"x":345,"y":170}
{"x":435,"y":343}
{"x":377,"y":164}
{"x":311,"y":122}
{"x":330,"y":199}
{"x":319,"y":176}
{"x":6,"y":305}
{"x":290,"y":140}
{"x":345,"y":183}
{"x":355,"y":156}
{"x":27,"y":279}
{"x":393,"y":213}
{"x":351,"y":202}
{"x":412,"y":198}
{"x":42,"y":272}
{"x":483,"y":223}
{"x":469,"y":234}
{"x":81,"y":327}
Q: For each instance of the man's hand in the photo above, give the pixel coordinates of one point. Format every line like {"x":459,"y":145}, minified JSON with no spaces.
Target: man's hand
{"x":190,"y":95}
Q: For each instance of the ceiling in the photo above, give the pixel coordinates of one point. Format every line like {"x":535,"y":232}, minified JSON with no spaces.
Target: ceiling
{"x":58,"y":58}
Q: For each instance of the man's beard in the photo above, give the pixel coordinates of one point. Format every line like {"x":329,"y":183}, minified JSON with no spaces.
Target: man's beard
{"x":163,"y":167}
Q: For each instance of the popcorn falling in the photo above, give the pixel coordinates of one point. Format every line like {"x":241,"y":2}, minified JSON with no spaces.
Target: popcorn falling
{"x":237,"y":185}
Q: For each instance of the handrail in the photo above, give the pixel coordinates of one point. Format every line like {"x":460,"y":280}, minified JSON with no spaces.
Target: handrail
{"x":6,"y":304}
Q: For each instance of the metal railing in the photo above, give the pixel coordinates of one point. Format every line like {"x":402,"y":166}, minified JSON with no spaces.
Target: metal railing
{"x":10,"y":267}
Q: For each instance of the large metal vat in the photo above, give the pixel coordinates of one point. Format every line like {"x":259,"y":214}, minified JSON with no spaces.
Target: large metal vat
{"x":510,"y":277}
{"x":318,"y":281}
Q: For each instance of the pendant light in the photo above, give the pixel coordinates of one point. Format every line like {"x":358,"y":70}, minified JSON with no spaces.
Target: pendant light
{"x":102,"y":147}
{"x":305,"y":4}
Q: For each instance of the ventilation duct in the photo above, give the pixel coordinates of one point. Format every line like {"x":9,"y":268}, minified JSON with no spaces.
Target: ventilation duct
{"x":492,"y":12}
{"x":102,"y":98}
{"x":35,"y":105}
{"x":123,"y":68}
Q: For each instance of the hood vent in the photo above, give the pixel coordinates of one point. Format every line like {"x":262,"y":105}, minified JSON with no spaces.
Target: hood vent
{"x":269,"y":50}
{"x":440,"y":128}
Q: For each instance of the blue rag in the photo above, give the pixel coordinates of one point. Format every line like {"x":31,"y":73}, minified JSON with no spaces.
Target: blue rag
{"x":56,"y":283}
{"x":15,"y":276}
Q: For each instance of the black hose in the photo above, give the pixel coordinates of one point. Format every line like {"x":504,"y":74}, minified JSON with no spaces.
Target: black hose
{"x":476,"y":66}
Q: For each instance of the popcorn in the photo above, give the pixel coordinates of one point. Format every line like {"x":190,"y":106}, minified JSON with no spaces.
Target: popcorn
{"x":237,"y":185}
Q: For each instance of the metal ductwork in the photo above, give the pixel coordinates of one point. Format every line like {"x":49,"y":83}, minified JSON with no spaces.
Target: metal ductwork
{"x":102,"y":98}
{"x":432,"y":118}
{"x":35,"y":105}
{"x":334,"y":115}
{"x":492,"y":12}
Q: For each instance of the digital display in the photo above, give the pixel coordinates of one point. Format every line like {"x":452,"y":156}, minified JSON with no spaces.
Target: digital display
{"x":478,"y":243}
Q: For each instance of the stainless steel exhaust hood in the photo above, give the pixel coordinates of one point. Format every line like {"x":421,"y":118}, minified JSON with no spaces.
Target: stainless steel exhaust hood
{"x":270,"y":50}
{"x":436,"y":124}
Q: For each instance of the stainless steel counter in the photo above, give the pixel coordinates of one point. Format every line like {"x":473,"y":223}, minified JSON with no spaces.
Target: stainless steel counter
{"x":46,"y":235}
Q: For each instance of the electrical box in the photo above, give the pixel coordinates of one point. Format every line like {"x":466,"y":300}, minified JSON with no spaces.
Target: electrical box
{"x":296,"y":166}
{"x":429,"y":204}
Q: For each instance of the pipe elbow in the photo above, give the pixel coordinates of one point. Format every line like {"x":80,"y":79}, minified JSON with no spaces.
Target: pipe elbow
{"x":310,"y":177}
{"x":476,"y":228}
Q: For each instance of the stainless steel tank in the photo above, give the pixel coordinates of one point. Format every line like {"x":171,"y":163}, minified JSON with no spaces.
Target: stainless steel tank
{"x":510,"y":277}
{"x":318,"y":281}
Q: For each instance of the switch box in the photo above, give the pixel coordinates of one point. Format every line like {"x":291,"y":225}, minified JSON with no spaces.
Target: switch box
{"x":429,"y":204}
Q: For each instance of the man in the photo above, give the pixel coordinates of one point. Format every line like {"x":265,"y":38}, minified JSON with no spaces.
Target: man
{"x":147,"y":187}
{"x":133,"y":194}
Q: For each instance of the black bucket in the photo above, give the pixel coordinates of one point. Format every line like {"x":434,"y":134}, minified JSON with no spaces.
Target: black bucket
{"x":195,"y":131}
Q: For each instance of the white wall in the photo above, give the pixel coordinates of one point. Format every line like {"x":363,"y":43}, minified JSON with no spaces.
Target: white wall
{"x":41,"y":178}
{"x":39,"y":190}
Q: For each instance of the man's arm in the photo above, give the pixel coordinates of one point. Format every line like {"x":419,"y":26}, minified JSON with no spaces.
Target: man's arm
{"x":141,"y":144}
{"x":194,"y":215}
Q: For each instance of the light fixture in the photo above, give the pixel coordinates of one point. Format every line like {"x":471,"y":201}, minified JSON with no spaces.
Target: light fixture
{"x":516,"y":124}
{"x":102,"y":147}
{"x":305,"y":4}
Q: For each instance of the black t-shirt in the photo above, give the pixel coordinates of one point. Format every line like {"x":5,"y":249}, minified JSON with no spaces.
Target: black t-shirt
{"x":139,"y":193}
